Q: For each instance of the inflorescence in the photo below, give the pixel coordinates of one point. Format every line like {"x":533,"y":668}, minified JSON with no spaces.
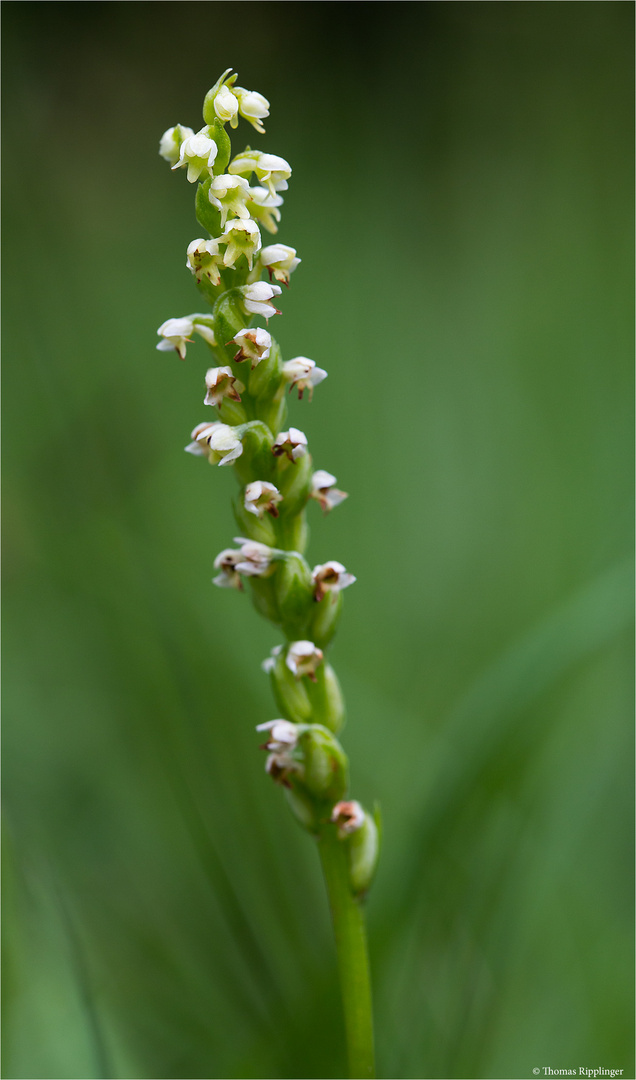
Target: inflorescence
{"x":272,"y":464}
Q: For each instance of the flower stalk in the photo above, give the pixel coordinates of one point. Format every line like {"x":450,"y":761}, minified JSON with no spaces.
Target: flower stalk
{"x":248,"y":385}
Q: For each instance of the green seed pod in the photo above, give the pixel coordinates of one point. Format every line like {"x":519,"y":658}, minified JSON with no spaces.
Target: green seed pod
{"x":294,"y":594}
{"x":325,"y":765}
{"x":303,"y":807}
{"x":325,"y":697}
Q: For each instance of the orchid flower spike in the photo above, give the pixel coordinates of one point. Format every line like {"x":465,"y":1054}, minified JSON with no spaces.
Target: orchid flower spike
{"x":221,"y":383}
{"x":303,"y":657}
{"x":176,"y":333}
{"x":330,"y":577}
{"x":280,"y":261}
{"x":303,"y":374}
{"x":292,"y":442}
{"x":218,"y":442}
{"x":323,"y":490}
{"x":254,"y":345}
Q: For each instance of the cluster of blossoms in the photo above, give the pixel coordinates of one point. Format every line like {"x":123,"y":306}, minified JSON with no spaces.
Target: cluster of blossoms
{"x":247,"y":386}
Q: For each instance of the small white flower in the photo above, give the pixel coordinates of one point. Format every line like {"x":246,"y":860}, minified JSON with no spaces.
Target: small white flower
{"x":198,"y":153}
{"x":225,"y":105}
{"x":256,"y":558}
{"x":283,"y":734}
{"x":222,"y":383}
{"x":260,"y":496}
{"x":280,"y":261}
{"x":177,"y":332}
{"x":229,"y":578}
{"x":271,"y":170}
{"x":303,"y":658}
{"x":242,"y":237}
{"x":253,"y":107}
{"x":292,"y":442}
{"x":202,"y":259}
{"x":348,"y":816}
{"x":330,"y":577}
{"x":283,"y":738}
{"x":253,"y":345}
{"x":270,"y":662}
{"x":324,"y":491}
{"x":263,"y":206}
{"x":229,"y":194}
{"x":170,"y":142}
{"x":303,"y":374}
{"x":218,"y":442}
{"x":257,"y":297}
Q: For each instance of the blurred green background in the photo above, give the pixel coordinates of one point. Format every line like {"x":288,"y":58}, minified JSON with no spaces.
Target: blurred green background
{"x":461,"y":200}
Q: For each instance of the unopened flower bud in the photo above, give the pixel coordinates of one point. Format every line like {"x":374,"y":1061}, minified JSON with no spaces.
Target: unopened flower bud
{"x":197,"y":152}
{"x":292,"y":442}
{"x":330,"y":577}
{"x":254,"y":345}
{"x":176,"y":333}
{"x":221,"y":383}
{"x":261,"y":497}
{"x":324,"y":491}
{"x":303,"y":374}
{"x":225,"y":105}
{"x":257,"y":297}
{"x":170,"y":142}
{"x":280,"y":261}
{"x":218,"y":442}
{"x":303,"y":657}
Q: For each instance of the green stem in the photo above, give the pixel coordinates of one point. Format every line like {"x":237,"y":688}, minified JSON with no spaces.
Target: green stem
{"x":353,"y":961}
